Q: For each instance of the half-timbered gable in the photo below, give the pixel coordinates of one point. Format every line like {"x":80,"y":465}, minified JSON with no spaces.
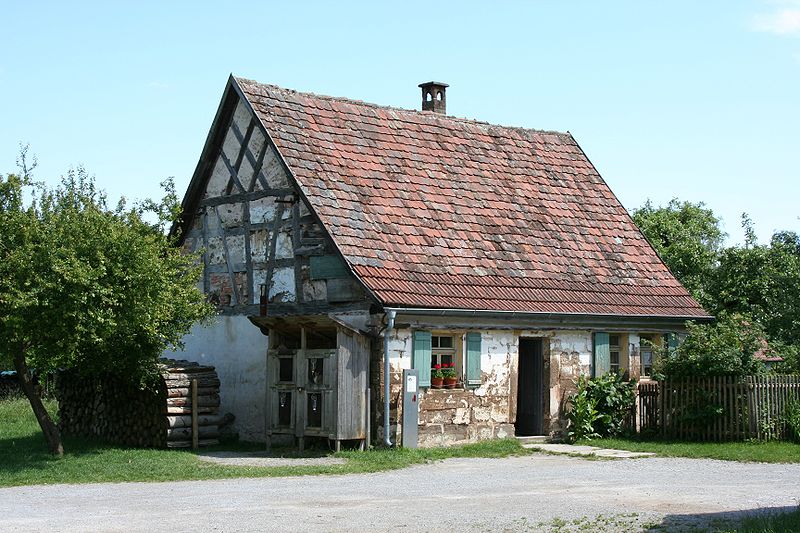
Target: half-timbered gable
{"x":259,"y":235}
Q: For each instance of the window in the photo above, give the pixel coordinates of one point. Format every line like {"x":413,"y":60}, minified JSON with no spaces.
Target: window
{"x":614,"y":352}
{"x":443,"y":351}
{"x":463,"y":351}
{"x":610,"y":353}
{"x":647,"y":348}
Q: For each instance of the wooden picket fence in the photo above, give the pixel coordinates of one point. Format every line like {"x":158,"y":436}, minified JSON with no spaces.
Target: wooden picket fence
{"x":717,"y":408}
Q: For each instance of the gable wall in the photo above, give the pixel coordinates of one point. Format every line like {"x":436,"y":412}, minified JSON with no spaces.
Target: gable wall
{"x":256,"y":231}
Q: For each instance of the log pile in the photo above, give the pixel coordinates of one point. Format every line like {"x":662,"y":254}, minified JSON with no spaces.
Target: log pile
{"x":111,"y":409}
{"x":178,"y":378}
{"x":116,"y":411}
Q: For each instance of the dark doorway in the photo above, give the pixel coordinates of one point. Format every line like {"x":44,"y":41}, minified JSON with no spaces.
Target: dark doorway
{"x":530,"y":388}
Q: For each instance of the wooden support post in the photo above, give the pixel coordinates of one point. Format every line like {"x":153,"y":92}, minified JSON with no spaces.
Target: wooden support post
{"x":368,"y":430}
{"x":195,"y":429}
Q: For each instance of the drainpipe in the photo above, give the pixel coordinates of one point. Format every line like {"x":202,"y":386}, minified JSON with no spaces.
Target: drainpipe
{"x":387,"y":440}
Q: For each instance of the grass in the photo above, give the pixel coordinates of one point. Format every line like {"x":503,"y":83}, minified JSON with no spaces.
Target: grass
{"x":762,"y":452}
{"x":24,"y":459}
{"x":770,"y":523}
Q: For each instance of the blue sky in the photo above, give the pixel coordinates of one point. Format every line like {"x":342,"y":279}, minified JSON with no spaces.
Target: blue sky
{"x":695,"y":100}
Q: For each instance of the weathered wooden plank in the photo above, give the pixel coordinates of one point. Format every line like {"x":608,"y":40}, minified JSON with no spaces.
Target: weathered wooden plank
{"x":248,"y":255}
{"x":245,"y":197}
{"x":228,"y":262}
{"x":206,"y":273}
{"x":184,"y":433}
{"x":188,"y":410}
{"x":185,"y":421}
{"x":327,"y":267}
{"x":234,"y":178}
{"x":188,"y":443}
{"x":298,"y":278}
{"x":202,"y":401}
{"x":273,"y":241}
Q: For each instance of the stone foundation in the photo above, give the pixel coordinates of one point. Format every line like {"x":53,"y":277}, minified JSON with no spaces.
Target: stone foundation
{"x":450,"y":417}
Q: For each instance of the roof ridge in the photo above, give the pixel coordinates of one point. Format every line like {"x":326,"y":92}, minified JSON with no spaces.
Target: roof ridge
{"x":401,"y":109}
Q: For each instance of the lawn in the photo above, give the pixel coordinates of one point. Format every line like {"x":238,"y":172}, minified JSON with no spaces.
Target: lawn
{"x":763,"y":452}
{"x":24,"y":459}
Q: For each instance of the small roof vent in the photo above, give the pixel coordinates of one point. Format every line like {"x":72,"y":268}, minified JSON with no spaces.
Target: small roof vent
{"x":433,"y":97}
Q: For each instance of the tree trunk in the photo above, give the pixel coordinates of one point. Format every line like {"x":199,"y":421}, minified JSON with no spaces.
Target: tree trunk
{"x":49,"y":429}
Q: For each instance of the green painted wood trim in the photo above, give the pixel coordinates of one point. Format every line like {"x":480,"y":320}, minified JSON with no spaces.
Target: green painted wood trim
{"x":422,"y":357}
{"x":473,"y":359}
{"x":602,"y":354}
{"x":327,"y":267}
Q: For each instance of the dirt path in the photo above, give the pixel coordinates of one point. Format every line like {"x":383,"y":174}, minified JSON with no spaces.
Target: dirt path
{"x":513,"y":494}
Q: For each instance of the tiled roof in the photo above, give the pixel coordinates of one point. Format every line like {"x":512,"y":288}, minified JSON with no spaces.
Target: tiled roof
{"x":440,"y":212}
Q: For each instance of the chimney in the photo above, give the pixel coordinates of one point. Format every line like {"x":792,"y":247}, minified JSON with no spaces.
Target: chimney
{"x":433,"y":98}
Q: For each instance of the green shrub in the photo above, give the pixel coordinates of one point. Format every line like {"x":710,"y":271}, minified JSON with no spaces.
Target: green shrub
{"x":582,"y":415}
{"x":600,"y":407}
{"x":792,"y":415}
{"x":723,"y":348}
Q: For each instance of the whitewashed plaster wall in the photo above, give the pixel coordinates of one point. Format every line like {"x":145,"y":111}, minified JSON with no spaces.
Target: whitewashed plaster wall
{"x":568,"y":355}
{"x":237,"y":349}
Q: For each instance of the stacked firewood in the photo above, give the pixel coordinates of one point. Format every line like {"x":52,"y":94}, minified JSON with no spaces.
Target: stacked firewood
{"x":110,"y":409}
{"x":178,"y":377}
{"x":116,"y":411}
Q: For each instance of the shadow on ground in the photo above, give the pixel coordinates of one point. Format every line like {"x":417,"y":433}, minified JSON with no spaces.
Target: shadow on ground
{"x":759,"y":519}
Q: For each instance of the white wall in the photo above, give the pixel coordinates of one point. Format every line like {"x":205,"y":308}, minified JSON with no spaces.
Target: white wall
{"x":238,"y":350}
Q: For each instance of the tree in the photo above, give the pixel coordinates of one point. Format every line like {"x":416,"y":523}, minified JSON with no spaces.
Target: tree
{"x":762,"y":281}
{"x":688,"y":238}
{"x":89,"y":288}
{"x":725,"y":348}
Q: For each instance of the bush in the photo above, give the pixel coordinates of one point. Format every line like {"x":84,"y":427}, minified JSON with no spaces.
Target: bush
{"x":600,"y":407}
{"x":724,"y":348}
{"x":792,"y":416}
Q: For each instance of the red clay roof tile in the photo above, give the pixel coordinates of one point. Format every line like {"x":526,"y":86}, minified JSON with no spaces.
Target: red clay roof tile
{"x":436,"y":211}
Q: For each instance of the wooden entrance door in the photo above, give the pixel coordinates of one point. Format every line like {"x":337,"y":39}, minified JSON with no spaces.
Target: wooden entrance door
{"x":530,"y":388}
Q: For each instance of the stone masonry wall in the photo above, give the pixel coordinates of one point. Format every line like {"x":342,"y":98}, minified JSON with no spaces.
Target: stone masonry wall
{"x":466,"y":415}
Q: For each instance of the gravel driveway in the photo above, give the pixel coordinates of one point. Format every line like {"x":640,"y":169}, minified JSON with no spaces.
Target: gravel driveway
{"x":511,"y":494}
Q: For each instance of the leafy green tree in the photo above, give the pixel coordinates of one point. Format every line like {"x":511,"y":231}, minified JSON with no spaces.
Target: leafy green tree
{"x":725,"y":348}
{"x":762,"y":281}
{"x":87,"y":287}
{"x":688,"y":238}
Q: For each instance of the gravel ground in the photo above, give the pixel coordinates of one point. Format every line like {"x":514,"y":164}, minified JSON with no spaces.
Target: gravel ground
{"x":538,"y":492}
{"x":264,"y":459}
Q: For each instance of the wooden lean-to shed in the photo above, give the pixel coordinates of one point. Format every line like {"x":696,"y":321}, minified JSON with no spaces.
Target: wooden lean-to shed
{"x":317,"y":379}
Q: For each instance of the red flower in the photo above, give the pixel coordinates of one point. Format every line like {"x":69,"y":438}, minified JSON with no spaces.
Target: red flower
{"x":438,"y":367}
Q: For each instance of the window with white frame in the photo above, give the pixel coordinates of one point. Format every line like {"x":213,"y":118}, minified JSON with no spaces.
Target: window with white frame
{"x":443,"y":351}
{"x":460,"y":350}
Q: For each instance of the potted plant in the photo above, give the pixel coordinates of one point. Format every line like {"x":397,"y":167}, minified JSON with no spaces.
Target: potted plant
{"x":437,"y":377}
{"x":449,"y":375}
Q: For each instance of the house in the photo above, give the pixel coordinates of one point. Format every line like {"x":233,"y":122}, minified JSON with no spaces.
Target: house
{"x":360,"y":238}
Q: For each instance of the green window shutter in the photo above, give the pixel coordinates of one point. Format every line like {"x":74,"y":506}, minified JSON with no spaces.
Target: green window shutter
{"x":602,"y":354}
{"x":473,"y":359}
{"x":422,"y":357}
